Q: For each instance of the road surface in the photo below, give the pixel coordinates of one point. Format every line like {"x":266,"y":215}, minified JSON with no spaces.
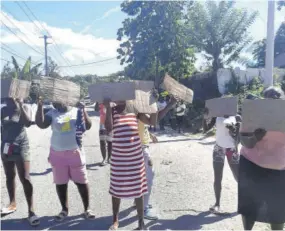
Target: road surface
{"x":182,"y":191}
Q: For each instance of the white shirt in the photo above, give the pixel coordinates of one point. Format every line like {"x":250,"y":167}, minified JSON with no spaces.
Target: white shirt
{"x":182,"y":108}
{"x":63,"y":128}
{"x":223,"y":137}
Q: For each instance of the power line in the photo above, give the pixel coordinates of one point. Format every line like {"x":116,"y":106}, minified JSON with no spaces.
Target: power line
{"x":59,"y":50}
{"x":85,"y":64}
{"x":21,"y":39}
{"x":39,"y":30}
{"x":5,"y":49}
{"x":10,"y":62}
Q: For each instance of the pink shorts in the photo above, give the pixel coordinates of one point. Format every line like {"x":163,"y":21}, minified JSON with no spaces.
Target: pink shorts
{"x":68,"y":165}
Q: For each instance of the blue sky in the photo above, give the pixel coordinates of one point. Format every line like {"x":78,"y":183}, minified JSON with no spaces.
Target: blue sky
{"x":84,"y":31}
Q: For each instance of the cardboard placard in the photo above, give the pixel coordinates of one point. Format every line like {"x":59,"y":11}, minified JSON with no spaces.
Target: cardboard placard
{"x":145,"y":102}
{"x":220,"y":107}
{"x":114,"y":91}
{"x":268,"y":114}
{"x":63,"y":91}
{"x":177,"y":89}
{"x":15,"y":88}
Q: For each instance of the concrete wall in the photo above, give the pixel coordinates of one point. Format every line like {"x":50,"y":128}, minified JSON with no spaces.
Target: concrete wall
{"x":244,"y":76}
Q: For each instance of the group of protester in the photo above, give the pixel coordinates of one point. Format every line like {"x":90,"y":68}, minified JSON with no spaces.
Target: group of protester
{"x":175,"y":117}
{"x":259,"y":168}
{"x":124,"y":143}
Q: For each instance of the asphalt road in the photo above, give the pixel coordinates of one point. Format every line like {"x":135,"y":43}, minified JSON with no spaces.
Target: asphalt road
{"x":182,"y":191}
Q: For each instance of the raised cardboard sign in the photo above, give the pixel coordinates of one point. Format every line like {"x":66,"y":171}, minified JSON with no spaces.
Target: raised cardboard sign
{"x":220,"y":107}
{"x":63,"y":91}
{"x":15,"y":88}
{"x":268,"y":114}
{"x":113,"y":91}
{"x":145,"y":102}
{"x":177,"y":89}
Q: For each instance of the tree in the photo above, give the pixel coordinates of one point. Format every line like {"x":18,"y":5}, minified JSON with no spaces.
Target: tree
{"x":153,"y":40}
{"x":279,"y":42}
{"x":259,"y":48}
{"x":219,"y":30}
{"x":26,"y":73}
{"x":53,"y":69}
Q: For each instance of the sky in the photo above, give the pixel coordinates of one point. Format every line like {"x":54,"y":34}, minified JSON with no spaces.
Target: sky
{"x":82,"y":32}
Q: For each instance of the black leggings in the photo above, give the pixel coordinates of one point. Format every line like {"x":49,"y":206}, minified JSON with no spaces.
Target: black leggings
{"x":10,"y":172}
{"x":179,"y":120}
{"x":103,"y":149}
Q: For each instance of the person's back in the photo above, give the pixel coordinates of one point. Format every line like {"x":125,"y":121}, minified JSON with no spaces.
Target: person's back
{"x":269,"y":152}
{"x":223,"y":137}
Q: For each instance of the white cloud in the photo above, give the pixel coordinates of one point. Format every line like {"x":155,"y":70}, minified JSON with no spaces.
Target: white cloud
{"x":105,"y":15}
{"x":76,"y":47}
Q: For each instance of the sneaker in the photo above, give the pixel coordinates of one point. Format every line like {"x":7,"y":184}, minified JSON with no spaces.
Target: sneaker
{"x":150,"y":215}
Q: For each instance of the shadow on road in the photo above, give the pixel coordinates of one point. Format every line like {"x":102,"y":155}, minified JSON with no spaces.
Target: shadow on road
{"x":70,"y":223}
{"x":47,"y":171}
{"x":188,"y":222}
{"x":208,"y":143}
{"x":93,"y":166}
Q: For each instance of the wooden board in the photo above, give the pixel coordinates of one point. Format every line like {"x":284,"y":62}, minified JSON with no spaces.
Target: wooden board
{"x":220,"y":107}
{"x":15,"y":88}
{"x":268,"y":114}
{"x":63,"y":91}
{"x":177,"y":89}
{"x":145,"y":102}
{"x":113,"y":91}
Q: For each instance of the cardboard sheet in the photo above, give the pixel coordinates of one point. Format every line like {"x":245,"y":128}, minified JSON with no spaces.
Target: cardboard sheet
{"x":114,"y":91}
{"x":145,"y":102}
{"x":268,"y":114}
{"x":15,"y":88}
{"x":220,"y":107}
{"x":177,"y":89}
{"x":64,"y":91}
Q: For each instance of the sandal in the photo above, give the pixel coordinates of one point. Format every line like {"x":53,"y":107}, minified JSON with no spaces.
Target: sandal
{"x":89,"y":215}
{"x":7,"y":211}
{"x":34,"y":220}
{"x":114,"y":227}
{"x":61,"y":216}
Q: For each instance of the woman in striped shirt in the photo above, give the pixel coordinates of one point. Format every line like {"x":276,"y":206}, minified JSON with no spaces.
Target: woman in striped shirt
{"x":128,"y":176}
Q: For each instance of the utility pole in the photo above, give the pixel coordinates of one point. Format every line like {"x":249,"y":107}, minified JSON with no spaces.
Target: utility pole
{"x":45,"y":37}
{"x":269,"y":61}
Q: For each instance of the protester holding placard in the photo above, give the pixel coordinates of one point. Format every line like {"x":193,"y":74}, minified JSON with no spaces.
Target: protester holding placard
{"x":105,"y":138}
{"x":15,"y":152}
{"x":128,"y":174}
{"x":227,"y":129}
{"x":146,"y":137}
{"x":261,"y":187}
{"x":67,"y":156}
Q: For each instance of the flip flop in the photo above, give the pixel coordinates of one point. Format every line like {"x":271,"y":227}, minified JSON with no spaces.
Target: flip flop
{"x":113,"y":227}
{"x":7,"y":211}
{"x":103,"y":163}
{"x":89,"y":215}
{"x":34,"y":220}
{"x":61,"y":216}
